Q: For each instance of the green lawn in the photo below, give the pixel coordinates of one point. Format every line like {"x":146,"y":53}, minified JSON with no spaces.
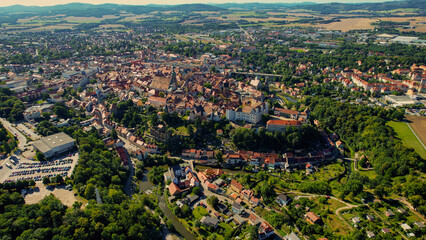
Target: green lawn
{"x":407,"y":137}
{"x":199,"y":212}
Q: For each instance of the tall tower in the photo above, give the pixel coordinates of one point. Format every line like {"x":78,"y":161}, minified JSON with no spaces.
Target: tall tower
{"x":173,"y":81}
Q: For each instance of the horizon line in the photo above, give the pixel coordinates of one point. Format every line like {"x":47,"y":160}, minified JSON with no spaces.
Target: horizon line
{"x":209,"y":3}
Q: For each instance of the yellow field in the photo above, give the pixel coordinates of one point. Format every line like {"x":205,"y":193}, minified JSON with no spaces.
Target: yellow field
{"x":49,"y":28}
{"x":111,"y":26}
{"x":349,"y":24}
{"x":89,"y":19}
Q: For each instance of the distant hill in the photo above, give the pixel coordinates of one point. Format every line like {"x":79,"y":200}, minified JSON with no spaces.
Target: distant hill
{"x":195,"y":8}
{"x":329,"y":8}
{"x":84,"y":9}
{"x":260,"y":6}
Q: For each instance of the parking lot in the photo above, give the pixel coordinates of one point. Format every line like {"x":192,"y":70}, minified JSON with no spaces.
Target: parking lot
{"x":27,"y":131}
{"x":22,"y":168}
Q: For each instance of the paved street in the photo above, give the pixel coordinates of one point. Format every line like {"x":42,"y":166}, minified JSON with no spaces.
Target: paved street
{"x":30,"y":133}
{"x":21,"y":138}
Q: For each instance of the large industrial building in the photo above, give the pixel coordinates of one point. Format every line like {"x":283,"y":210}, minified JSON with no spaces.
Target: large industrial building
{"x":54,"y":144}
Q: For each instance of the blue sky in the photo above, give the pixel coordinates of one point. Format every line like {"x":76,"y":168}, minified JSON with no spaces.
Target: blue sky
{"x":171,"y":2}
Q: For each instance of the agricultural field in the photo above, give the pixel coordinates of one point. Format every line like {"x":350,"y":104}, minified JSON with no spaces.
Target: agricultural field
{"x":418,"y":124}
{"x":408,"y":138}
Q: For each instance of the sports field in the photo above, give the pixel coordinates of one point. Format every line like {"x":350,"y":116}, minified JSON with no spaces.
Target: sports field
{"x":407,"y":137}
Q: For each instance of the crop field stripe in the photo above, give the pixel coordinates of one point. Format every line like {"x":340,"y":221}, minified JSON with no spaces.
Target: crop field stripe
{"x":408,"y":137}
{"x":416,"y":136}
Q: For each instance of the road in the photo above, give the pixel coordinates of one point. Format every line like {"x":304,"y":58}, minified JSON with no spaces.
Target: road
{"x":245,"y":32}
{"x":128,"y":186}
{"x":407,"y":204}
{"x":33,"y":135}
{"x":21,"y":138}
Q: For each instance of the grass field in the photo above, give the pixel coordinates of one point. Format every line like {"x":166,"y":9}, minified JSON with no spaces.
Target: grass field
{"x":418,"y":124}
{"x":199,"y":212}
{"x":407,"y":137}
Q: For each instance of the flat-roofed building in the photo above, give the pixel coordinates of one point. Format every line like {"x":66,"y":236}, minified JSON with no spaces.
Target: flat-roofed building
{"x":54,"y":144}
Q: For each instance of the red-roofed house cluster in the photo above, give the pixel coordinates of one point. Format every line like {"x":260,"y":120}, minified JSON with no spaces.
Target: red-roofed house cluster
{"x":182,"y":179}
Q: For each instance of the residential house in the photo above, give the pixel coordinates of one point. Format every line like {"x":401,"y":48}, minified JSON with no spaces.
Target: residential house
{"x":389,"y":213}
{"x":209,"y":221}
{"x":405,"y":227}
{"x":356,"y":220}
{"x":291,"y":236}
{"x":369,"y":217}
{"x":312,"y":218}
{"x":174,"y":189}
{"x":254,"y":201}
{"x":238,"y":220}
{"x":419,"y":224}
{"x":370,"y":234}
{"x":237,"y":208}
{"x":253,"y":219}
{"x":246,"y":194}
{"x":401,"y":210}
{"x":236,"y":186}
{"x":265,"y":231}
{"x":211,"y":187}
{"x":233,"y":159}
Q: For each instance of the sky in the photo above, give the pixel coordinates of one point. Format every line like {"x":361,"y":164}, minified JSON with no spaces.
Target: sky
{"x":4,"y":3}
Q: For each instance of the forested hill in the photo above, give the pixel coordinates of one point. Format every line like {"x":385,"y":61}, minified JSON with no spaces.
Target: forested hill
{"x":330,"y":8}
{"x":364,"y":130}
{"x":84,"y":9}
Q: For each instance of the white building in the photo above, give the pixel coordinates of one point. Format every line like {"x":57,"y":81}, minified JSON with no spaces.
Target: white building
{"x":54,"y":144}
{"x":398,"y":101}
{"x":251,"y":114}
{"x":36,"y":111}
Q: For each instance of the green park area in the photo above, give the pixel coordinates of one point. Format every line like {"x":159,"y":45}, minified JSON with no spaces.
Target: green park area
{"x":407,"y":137}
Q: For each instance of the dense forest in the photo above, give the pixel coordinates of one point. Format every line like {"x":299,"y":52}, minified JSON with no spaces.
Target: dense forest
{"x":10,"y":106}
{"x":364,"y":130}
{"x":292,"y":138}
{"x":98,"y":168}
{"x":50,"y":219}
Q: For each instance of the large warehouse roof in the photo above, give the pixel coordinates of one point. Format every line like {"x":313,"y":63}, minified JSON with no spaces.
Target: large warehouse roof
{"x":48,"y":143}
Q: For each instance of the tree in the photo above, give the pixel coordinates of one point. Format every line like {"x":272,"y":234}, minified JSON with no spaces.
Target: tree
{"x":59,"y":179}
{"x":380,"y":191}
{"x":46,"y":180}
{"x":186,"y":211}
{"x":219,"y":156}
{"x":89,"y":193}
{"x":40,"y":156}
{"x":196,"y":190}
{"x":77,"y":205}
{"x":213,"y":201}
{"x":114,"y":134}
